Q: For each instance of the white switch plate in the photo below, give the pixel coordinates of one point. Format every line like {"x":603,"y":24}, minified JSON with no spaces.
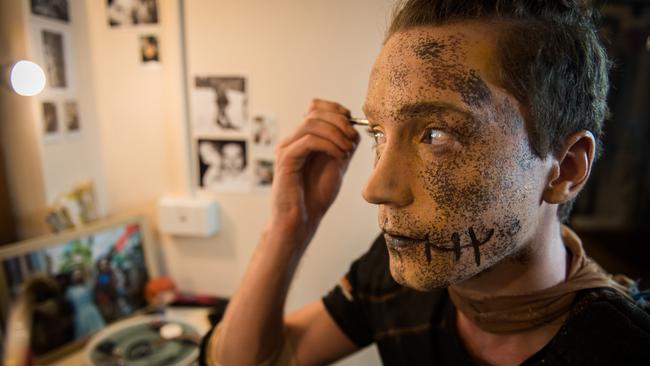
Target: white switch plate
{"x":188,"y":216}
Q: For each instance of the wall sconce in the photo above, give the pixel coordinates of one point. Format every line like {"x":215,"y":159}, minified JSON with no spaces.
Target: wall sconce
{"x":24,"y":77}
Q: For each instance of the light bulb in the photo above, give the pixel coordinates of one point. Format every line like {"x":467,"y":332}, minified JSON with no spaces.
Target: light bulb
{"x":27,"y":78}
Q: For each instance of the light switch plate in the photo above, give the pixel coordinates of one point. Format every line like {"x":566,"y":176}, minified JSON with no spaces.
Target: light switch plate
{"x":188,"y":216}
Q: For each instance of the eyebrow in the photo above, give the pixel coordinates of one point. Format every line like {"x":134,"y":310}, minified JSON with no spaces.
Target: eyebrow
{"x":423,"y":109}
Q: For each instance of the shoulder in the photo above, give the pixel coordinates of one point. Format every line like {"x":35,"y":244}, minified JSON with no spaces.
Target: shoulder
{"x":390,"y":307}
{"x":612,"y":311}
{"x":611,"y":301}
{"x":370,"y":273}
{"x":368,"y":305}
{"x":370,"y":279}
{"x":604,"y":328}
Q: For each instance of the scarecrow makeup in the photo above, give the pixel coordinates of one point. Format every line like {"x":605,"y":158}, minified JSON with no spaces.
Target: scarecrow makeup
{"x":455,"y":179}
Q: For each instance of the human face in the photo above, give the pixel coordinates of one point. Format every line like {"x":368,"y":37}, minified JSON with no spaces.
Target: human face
{"x":457,"y":184}
{"x":233,"y":158}
{"x":209,"y":154}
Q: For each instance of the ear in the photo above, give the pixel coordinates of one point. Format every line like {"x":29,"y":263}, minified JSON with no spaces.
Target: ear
{"x":571,"y":168}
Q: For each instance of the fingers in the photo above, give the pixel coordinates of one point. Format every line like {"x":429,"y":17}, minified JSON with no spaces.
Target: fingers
{"x":331,"y":112}
{"x":328,"y":120}
{"x":320,"y":104}
{"x":337,"y":119}
{"x":325,"y":128}
{"x":293,"y":156}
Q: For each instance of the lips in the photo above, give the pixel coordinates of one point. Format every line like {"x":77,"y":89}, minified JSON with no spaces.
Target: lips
{"x":401,"y":242}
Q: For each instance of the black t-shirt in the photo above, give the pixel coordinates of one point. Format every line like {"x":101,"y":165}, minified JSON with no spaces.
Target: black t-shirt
{"x":419,"y":328}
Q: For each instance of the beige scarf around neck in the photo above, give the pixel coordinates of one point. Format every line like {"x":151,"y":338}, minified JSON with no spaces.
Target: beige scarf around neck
{"x":524,"y":312}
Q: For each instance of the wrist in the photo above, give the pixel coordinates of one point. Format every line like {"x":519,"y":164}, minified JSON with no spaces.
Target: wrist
{"x":291,"y":235}
{"x":293,"y":224}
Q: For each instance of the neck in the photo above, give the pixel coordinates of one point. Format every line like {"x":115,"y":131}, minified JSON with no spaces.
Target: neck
{"x":539,"y":263}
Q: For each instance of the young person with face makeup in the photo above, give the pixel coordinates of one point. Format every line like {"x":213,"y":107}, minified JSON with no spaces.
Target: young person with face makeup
{"x":486,"y":117}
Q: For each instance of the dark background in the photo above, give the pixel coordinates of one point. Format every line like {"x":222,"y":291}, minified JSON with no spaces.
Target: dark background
{"x":612,"y":215}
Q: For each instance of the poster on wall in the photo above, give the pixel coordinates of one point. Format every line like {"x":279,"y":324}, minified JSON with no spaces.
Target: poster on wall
{"x":54,"y":59}
{"x":263,"y":173}
{"x":223,"y":165}
{"x":53,"y":9}
{"x":131,"y":12}
{"x":149,"y":50}
{"x":219,"y":104}
{"x":71,"y":117}
{"x":50,"y":120}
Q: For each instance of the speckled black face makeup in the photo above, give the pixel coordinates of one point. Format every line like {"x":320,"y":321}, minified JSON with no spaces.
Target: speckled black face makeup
{"x":441,"y":58}
{"x":455,"y":179}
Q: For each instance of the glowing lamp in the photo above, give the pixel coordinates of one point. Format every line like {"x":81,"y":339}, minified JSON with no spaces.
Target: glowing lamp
{"x":27,"y":78}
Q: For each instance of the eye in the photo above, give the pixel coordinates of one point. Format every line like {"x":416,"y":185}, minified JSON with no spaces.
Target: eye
{"x":377,"y":135}
{"x":434,"y":136}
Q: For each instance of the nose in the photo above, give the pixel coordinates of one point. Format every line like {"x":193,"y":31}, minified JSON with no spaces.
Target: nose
{"x":389,"y":182}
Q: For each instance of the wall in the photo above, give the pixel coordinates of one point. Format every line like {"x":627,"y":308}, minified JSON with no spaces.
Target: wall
{"x":39,"y":171}
{"x":76,"y":158}
{"x":18,"y":129}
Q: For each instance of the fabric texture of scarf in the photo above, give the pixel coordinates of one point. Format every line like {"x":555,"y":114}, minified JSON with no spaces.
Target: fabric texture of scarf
{"x":525,"y":312}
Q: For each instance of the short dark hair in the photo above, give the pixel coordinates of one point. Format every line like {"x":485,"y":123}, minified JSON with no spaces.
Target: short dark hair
{"x":550,"y":57}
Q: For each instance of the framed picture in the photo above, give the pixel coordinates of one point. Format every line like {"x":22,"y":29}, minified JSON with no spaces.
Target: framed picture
{"x":54,"y":58}
{"x":52,"y":9}
{"x":85,"y":279}
{"x":263,"y":172}
{"x":71,"y":117}
{"x":122,"y":13}
{"x":220,"y":104}
{"x":264,"y":133}
{"x":149,"y":49}
{"x":223,"y":165}
{"x":50,"y":119}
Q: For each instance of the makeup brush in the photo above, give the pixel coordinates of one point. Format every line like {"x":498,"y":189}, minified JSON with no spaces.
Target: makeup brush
{"x":358,"y":121}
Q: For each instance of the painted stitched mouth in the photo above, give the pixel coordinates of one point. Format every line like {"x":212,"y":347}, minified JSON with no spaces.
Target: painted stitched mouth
{"x":400,"y":242}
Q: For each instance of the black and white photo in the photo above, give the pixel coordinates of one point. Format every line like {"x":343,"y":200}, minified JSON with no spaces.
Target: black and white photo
{"x":53,"y":9}
{"x":263,"y":132}
{"x":220,"y":104}
{"x":223,"y":165}
{"x":54,"y":59}
{"x":71,"y":117}
{"x":263,"y":170}
{"x":50,"y":119}
{"x":131,"y":12}
{"x":149,"y":49}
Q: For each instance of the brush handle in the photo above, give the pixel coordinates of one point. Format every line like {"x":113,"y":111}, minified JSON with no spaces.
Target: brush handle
{"x":358,"y":121}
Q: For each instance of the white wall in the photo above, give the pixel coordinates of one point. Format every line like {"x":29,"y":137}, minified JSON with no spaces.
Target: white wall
{"x":71,"y":159}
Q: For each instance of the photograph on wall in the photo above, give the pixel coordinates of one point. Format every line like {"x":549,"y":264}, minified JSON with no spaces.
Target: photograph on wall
{"x":50,"y":119}
{"x":53,"y":59}
{"x":71,"y":117}
{"x":131,"y":12}
{"x":220,"y":104}
{"x":53,"y":9}
{"x":149,"y":49}
{"x":87,"y":282}
{"x":264,"y":132}
{"x":263,"y":172}
{"x":223,"y":165}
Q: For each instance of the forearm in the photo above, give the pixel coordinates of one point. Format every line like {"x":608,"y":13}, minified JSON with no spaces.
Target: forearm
{"x":310,"y":164}
{"x":252,"y":327}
